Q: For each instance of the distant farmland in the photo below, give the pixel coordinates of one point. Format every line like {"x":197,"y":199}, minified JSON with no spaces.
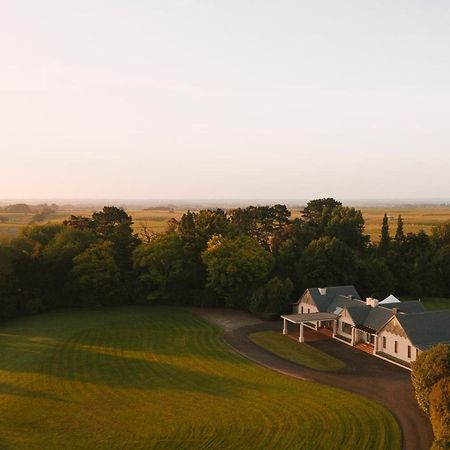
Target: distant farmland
{"x":414,"y":218}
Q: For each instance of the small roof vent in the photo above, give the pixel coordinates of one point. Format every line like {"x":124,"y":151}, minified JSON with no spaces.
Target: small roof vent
{"x":323,"y":291}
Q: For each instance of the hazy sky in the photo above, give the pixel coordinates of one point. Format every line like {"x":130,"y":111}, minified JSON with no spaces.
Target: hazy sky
{"x":228,"y":99}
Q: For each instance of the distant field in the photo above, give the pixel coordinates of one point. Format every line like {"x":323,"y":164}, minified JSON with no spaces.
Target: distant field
{"x":414,"y":219}
{"x":156,"y":220}
{"x":140,"y":378}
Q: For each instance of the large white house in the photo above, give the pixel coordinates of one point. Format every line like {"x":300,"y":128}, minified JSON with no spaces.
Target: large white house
{"x":390,"y":329}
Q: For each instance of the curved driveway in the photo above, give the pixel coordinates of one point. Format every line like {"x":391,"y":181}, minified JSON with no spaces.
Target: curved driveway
{"x":364,"y":374}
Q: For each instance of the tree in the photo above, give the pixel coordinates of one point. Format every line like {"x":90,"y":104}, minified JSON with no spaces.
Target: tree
{"x":235,"y":267}
{"x":385,"y":238}
{"x":430,"y":367}
{"x":161,"y":267}
{"x":57,"y":263}
{"x":347,"y":224}
{"x":440,"y":413}
{"x":440,"y":267}
{"x":260,"y":222}
{"x":399,"y":234}
{"x":375,"y":278}
{"x":115,"y":225}
{"x":327,"y":262}
{"x":272,"y":299}
{"x":441,"y":233}
{"x":318,"y":212}
{"x":97,"y":275}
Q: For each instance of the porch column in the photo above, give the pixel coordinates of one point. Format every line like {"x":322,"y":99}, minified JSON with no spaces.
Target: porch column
{"x":301,"y":338}
{"x":353,"y":335}
{"x":285,"y":328}
{"x":334,"y":327}
{"x":317,"y":324}
{"x":375,"y":345}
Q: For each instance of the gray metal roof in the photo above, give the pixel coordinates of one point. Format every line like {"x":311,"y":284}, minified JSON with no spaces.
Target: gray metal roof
{"x":426,"y":329}
{"x":343,"y":301}
{"x":415,"y":306}
{"x":358,"y":313}
{"x":310,"y":317}
{"x":324,"y":299}
{"x":377,"y":317}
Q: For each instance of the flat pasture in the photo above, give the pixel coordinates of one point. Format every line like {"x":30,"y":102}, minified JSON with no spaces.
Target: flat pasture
{"x":414,"y":219}
{"x":143,"y":377}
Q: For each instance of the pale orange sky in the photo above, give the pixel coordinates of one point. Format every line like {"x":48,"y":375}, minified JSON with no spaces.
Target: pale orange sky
{"x":236,"y":99}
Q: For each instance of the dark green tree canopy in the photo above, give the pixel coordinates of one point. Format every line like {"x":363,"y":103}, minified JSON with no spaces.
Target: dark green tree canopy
{"x":235,"y":267}
{"x":317,"y":212}
{"x":327,"y":262}
{"x":260,"y":222}
{"x":347,"y":225}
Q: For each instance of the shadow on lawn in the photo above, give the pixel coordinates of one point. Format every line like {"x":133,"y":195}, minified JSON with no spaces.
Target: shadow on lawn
{"x":10,"y":389}
{"x":106,"y":366}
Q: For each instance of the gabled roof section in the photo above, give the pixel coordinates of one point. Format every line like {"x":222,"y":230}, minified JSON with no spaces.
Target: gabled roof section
{"x":427,"y":328}
{"x":323,"y":297}
{"x":377,"y":317}
{"x":358,"y":313}
{"x":415,"y":306}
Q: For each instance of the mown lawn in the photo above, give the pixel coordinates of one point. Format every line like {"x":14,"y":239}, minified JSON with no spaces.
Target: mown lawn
{"x":140,"y":378}
{"x":302,"y":354}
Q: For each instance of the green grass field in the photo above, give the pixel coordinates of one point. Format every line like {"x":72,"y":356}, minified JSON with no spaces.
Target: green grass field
{"x":302,"y":354}
{"x":140,"y":378}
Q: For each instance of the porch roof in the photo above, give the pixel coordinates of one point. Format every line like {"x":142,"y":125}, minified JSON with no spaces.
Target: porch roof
{"x":310,"y":317}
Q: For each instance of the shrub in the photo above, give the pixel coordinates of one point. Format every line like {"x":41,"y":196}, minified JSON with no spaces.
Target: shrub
{"x":440,"y":411}
{"x":430,"y":367}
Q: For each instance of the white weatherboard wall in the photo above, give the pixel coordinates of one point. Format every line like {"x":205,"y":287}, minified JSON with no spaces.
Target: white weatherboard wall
{"x":393,"y":332}
{"x":345,"y":318}
{"x":402,"y":346}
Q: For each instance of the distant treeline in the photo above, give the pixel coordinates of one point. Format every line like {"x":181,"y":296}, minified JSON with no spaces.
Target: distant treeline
{"x":255,"y":258}
{"x":23,"y":208}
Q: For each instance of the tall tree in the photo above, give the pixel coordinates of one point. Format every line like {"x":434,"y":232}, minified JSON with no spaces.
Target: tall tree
{"x":399,"y":234}
{"x":385,"y":238}
{"x":115,"y":225}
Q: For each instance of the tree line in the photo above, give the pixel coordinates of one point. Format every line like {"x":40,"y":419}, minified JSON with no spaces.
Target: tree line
{"x":256,"y":258}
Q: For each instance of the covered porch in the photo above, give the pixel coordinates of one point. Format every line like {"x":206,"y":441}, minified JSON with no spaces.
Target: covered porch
{"x":308,"y":320}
